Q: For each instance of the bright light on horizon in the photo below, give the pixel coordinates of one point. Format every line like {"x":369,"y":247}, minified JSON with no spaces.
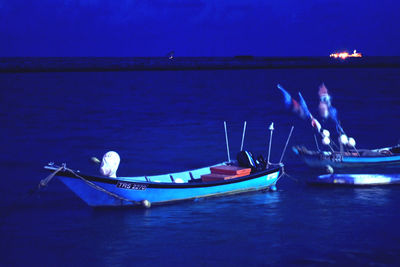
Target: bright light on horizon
{"x":344,"y":55}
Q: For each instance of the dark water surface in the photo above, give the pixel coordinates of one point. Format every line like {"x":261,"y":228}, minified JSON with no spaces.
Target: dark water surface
{"x":171,"y":121}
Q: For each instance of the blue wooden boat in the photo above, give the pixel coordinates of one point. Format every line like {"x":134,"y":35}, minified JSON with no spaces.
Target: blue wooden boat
{"x":383,"y":160}
{"x":159,"y":189}
{"x":353,"y":168}
{"x":355,"y":179}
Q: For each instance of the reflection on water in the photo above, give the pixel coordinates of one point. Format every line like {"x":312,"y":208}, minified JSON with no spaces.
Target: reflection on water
{"x":188,"y":228}
{"x":373,"y":196}
{"x":194,"y":211}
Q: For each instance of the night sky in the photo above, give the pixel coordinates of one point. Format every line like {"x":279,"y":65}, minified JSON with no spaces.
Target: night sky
{"x":198,"y":28}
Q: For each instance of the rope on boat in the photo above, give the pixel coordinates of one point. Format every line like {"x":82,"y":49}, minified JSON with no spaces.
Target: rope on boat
{"x":284,"y":173}
{"x":287,"y":142}
{"x":316,"y":143}
{"x":101,"y":189}
{"x":281,"y":175}
{"x":29,"y":193}
{"x":45,"y":181}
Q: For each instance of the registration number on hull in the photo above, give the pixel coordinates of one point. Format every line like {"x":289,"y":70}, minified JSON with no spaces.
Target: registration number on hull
{"x":129,"y":185}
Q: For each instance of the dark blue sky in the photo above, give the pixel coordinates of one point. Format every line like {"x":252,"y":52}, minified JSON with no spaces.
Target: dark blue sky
{"x":198,"y":28}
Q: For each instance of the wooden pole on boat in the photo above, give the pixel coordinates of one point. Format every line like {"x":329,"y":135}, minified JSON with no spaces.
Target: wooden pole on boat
{"x":287,"y":142}
{"x":227,"y":142}
{"x":271,"y":128}
{"x":244,"y":131}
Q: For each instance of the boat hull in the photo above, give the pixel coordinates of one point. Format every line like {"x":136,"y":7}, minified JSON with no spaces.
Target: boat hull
{"x":132,"y":192}
{"x":356,"y":179}
{"x":355,"y":164}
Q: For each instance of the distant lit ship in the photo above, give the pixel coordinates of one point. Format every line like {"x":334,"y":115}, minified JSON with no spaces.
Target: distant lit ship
{"x":171,"y":55}
{"x":344,"y":55}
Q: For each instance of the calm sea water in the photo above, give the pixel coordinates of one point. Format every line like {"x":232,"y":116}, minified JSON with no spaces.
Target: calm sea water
{"x":171,"y":121}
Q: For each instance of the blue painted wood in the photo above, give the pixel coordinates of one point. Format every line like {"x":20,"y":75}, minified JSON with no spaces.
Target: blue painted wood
{"x":138,"y":189}
{"x":354,"y":164}
{"x":356,"y":179}
{"x":371,"y":159}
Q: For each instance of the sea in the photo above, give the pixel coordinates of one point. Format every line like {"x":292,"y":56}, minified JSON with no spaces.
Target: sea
{"x":169,"y":121}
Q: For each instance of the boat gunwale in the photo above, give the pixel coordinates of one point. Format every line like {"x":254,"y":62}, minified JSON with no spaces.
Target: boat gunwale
{"x":348,"y":159}
{"x":369,"y":159}
{"x":150,"y":184}
{"x":391,"y":159}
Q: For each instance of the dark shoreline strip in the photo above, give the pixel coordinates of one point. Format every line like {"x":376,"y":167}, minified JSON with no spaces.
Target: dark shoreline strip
{"x":82,"y":64}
